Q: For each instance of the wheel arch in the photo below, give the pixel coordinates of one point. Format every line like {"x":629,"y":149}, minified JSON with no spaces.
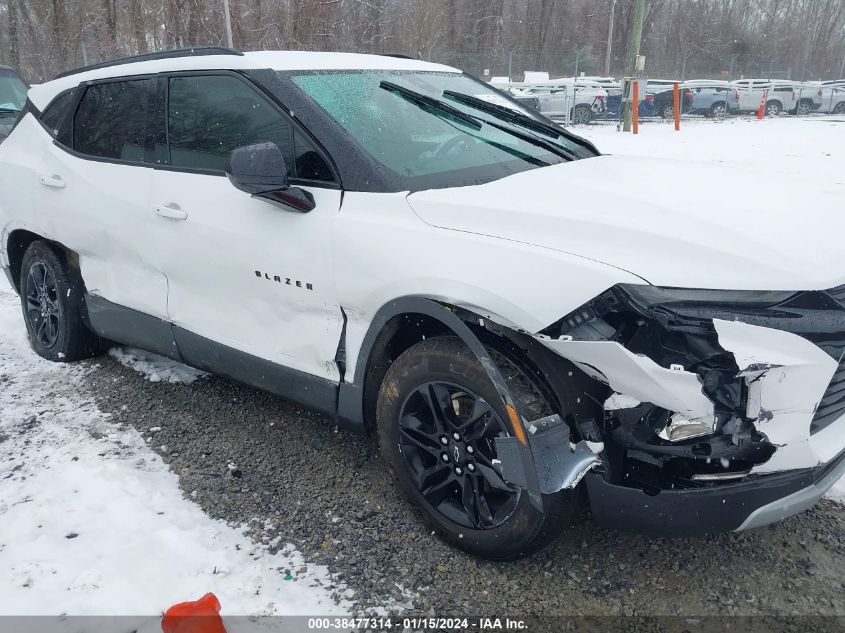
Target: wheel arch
{"x":406,"y":321}
{"x":19,"y":240}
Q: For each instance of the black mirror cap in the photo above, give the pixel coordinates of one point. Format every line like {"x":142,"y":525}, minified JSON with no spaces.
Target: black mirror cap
{"x":290,"y":199}
{"x":257,"y":168}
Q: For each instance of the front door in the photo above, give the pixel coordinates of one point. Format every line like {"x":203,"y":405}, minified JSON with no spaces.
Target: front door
{"x":241,"y":271}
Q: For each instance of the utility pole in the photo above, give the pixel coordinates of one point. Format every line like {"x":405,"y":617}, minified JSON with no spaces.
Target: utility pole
{"x":634,"y":38}
{"x":610,"y":39}
{"x":228,"y":17}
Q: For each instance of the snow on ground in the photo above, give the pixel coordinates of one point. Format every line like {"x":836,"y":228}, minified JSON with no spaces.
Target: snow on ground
{"x":156,"y":368}
{"x":93,"y":522}
{"x":810,"y":149}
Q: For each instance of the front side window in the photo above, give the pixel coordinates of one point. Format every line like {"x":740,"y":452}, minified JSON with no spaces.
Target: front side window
{"x":419,"y":142}
{"x":211,"y":115}
{"x":111,"y":118}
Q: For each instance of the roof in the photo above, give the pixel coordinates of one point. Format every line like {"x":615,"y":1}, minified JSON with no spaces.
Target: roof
{"x":276,"y":60}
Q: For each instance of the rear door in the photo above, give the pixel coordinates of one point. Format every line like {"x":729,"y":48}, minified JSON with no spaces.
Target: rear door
{"x":94,"y":188}
{"x":242,"y":272}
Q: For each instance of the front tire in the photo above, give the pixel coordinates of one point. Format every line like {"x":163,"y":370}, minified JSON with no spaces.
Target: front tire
{"x":437,"y":431}
{"x":52,"y":302}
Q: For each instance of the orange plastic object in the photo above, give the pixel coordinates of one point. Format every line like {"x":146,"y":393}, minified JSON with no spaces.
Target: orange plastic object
{"x":200,"y":616}
{"x":761,"y":111}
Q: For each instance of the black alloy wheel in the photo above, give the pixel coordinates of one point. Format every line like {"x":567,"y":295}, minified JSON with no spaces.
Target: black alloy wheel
{"x":438,"y":416}
{"x":53,"y":305}
{"x":43,"y":308}
{"x":447,"y":438}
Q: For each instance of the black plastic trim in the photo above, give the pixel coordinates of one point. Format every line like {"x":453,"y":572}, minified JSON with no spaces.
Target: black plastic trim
{"x":310,"y":391}
{"x":199,"y":51}
{"x":130,"y":327}
{"x":692,"y":511}
{"x":350,"y":397}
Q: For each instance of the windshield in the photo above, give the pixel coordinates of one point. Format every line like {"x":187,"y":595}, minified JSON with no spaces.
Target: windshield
{"x":416,"y":138}
{"x":12,"y":91}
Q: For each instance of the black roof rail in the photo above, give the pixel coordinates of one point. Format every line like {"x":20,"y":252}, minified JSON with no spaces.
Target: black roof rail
{"x":198,"y":51}
{"x":397,"y":55}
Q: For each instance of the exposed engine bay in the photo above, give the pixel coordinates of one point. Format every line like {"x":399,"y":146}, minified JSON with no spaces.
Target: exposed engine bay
{"x":709,"y":386}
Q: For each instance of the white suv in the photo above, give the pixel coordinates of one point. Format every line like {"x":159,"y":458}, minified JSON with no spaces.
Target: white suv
{"x":368,"y":236}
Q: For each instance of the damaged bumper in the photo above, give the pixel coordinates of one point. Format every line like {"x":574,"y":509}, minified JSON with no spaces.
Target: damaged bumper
{"x":726,"y":408}
{"x":753,"y":502}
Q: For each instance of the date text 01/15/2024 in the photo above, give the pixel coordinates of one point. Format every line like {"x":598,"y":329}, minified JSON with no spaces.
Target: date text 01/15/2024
{"x":417,"y":624}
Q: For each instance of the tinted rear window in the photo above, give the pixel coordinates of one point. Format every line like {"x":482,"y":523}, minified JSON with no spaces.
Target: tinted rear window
{"x":110,"y":121}
{"x":56,"y":116}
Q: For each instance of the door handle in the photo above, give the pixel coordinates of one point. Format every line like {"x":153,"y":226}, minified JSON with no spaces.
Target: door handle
{"x":55,"y":182}
{"x":171,"y":212}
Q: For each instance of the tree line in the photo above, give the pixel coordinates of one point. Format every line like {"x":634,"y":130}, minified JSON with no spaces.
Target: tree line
{"x":798,"y":39}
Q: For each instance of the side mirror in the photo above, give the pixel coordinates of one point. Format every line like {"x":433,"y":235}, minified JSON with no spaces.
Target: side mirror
{"x":260,"y":171}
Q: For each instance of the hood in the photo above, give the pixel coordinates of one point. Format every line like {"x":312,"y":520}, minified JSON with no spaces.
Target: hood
{"x":673,"y":223}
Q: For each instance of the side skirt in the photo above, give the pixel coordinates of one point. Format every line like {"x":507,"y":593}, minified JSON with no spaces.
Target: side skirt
{"x":131,"y":327}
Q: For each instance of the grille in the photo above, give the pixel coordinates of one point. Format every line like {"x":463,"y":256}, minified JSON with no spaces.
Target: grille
{"x":838,"y":294}
{"x":832,"y":404}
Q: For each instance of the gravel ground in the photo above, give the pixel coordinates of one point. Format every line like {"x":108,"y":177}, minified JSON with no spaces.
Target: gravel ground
{"x":246,"y":456}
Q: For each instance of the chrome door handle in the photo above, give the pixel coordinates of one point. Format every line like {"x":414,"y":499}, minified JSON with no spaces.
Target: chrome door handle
{"x":55,"y":182}
{"x":171,"y":212}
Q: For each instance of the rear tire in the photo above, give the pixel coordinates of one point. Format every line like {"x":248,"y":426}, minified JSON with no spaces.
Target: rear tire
{"x":717,"y":111}
{"x":417,"y":436}
{"x":773,"y":108}
{"x":582,"y":115}
{"x":53,"y":305}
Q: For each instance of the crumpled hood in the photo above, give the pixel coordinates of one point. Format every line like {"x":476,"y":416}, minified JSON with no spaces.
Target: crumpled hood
{"x":673,"y":223}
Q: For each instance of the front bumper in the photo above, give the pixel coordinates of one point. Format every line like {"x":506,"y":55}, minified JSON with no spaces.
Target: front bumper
{"x":753,"y":502}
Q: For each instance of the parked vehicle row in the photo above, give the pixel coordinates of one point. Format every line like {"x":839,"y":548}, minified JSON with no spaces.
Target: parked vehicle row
{"x":583,"y":99}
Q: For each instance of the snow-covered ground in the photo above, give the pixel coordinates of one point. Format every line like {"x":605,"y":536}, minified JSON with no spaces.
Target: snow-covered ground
{"x":93,"y":522}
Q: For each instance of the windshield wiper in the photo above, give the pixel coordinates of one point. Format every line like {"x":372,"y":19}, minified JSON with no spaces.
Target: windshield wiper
{"x":503,"y":112}
{"x":515,"y":117}
{"x":430,"y":103}
{"x":435,"y":105}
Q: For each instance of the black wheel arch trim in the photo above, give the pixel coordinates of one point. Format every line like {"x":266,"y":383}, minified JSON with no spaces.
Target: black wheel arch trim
{"x":350,"y":407}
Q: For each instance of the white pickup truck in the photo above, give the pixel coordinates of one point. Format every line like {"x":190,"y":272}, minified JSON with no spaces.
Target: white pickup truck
{"x":779,"y":95}
{"x":576,"y":100}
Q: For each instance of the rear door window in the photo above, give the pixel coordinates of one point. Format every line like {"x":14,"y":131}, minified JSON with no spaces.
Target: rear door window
{"x":111,"y":118}
{"x":57,"y":116}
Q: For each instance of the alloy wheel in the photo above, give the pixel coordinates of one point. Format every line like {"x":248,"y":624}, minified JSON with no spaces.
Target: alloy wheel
{"x":447,"y":440}
{"x":772,"y":109}
{"x":803,"y":109}
{"x":42,"y":305}
{"x":581,"y":116}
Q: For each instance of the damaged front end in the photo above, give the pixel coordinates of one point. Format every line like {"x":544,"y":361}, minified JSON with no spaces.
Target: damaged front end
{"x":714,"y":391}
